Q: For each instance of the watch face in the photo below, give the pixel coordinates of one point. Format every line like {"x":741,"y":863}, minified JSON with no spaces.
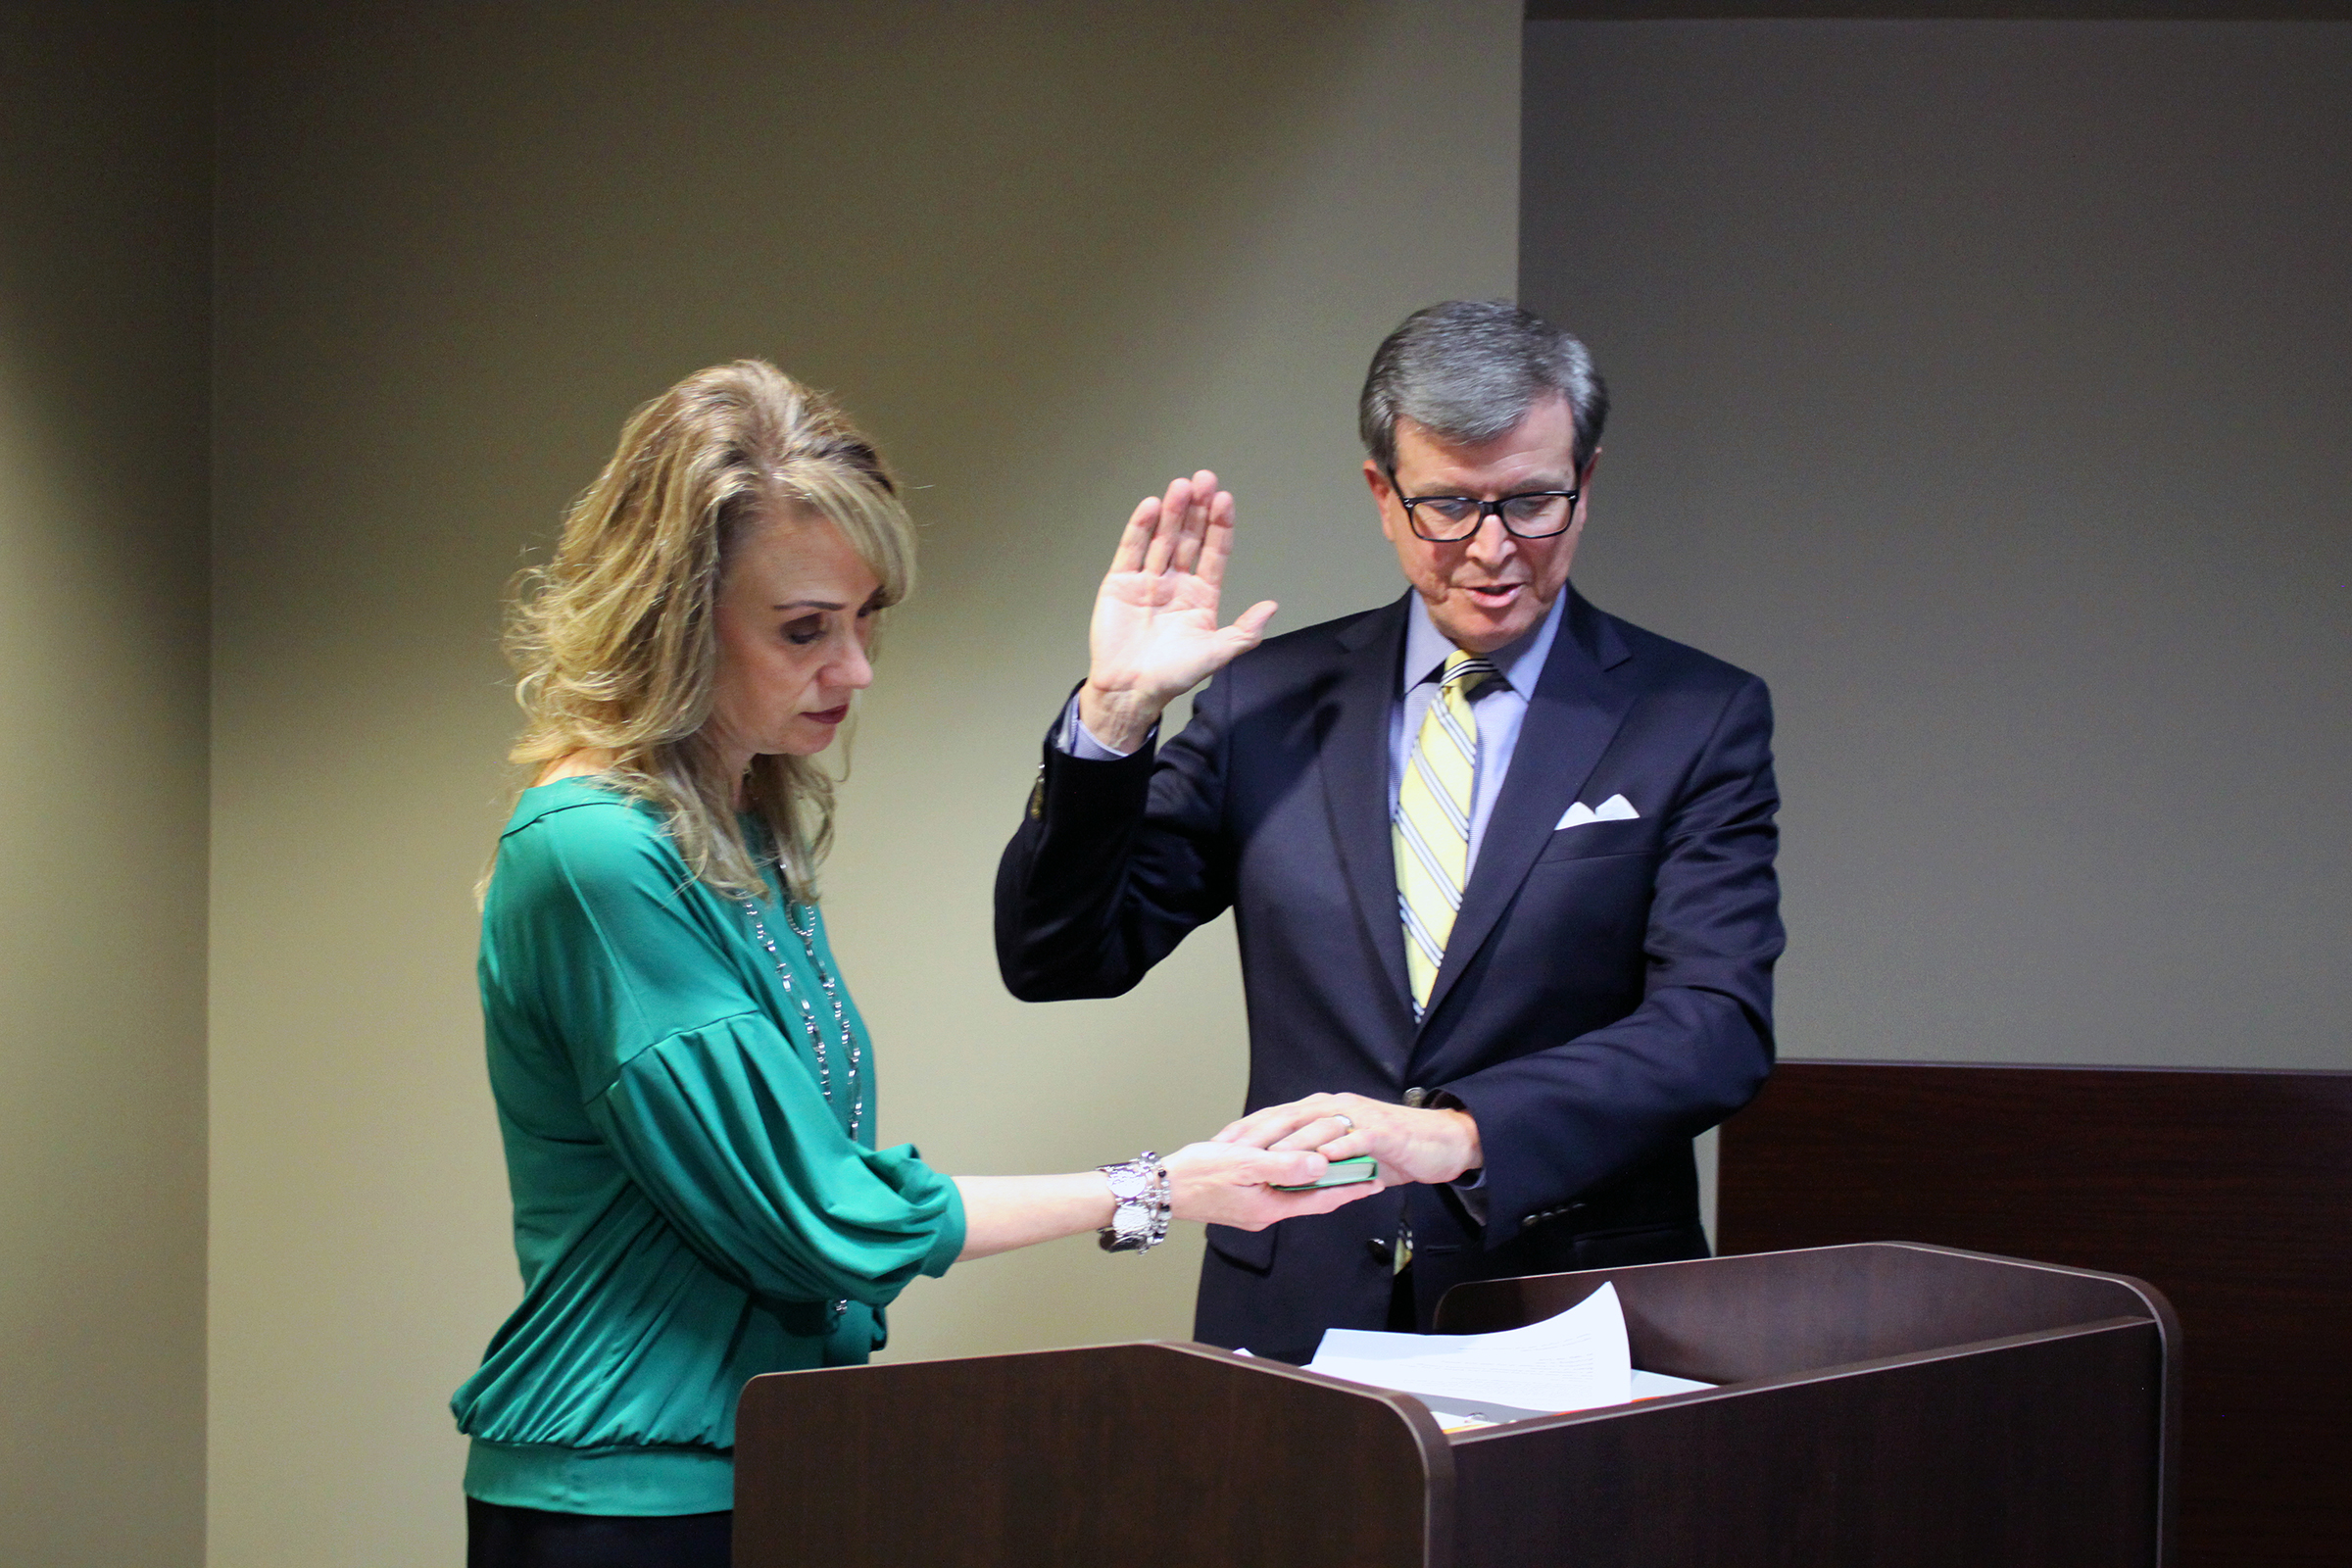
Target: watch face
{"x":1130,"y":1222}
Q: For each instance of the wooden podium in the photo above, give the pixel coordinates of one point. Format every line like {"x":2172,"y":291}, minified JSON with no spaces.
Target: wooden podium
{"x":1882,"y":1404}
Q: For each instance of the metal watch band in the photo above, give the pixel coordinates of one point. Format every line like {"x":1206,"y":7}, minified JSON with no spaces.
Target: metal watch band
{"x":1140,"y":1190}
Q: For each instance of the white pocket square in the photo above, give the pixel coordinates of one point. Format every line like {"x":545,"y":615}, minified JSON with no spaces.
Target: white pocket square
{"x":1616,"y":808}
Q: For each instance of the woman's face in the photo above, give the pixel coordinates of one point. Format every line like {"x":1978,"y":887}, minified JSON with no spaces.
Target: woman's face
{"x":796,"y":610}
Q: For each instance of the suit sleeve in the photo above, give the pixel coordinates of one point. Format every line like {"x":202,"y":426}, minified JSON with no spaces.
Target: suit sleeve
{"x":1116,"y":861}
{"x":1558,"y":1122}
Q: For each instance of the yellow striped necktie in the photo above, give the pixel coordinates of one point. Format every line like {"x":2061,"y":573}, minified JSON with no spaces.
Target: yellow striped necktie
{"x":1429,"y":821}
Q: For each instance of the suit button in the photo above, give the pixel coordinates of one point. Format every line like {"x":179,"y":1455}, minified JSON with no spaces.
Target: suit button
{"x":1383,"y":1249}
{"x":1416,"y":1098}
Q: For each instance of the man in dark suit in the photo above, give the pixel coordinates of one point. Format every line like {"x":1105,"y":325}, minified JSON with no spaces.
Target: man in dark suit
{"x":1502,"y":864}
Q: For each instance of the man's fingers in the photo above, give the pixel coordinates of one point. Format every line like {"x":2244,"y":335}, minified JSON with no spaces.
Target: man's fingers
{"x":1271,"y":1126}
{"x":1187,"y":557}
{"x":1257,"y":1132}
{"x":1168,"y":526}
{"x":1248,"y":628}
{"x":1198,"y":508}
{"x":1129,"y":556}
{"x":1316,"y":1133}
{"x":1216,"y":540}
{"x":1345,"y":1146}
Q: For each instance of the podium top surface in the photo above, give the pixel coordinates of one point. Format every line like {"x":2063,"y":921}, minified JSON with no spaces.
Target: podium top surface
{"x":1776,"y":1314}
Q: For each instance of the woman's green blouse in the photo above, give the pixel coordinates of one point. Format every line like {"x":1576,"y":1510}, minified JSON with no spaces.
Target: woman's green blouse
{"x":688,"y":1204}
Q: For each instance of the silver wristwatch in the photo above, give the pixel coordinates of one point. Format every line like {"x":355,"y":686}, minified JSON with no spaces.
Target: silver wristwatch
{"x":1140,"y":1189}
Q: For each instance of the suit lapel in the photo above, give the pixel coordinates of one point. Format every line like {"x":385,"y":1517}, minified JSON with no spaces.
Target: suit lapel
{"x":1353,"y":747}
{"x":1570,"y":721}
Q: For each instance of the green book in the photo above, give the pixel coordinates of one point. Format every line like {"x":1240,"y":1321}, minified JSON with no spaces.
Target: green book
{"x":1342,"y":1173}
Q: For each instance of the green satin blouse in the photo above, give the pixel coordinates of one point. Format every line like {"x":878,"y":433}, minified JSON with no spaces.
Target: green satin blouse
{"x":687,"y":1202}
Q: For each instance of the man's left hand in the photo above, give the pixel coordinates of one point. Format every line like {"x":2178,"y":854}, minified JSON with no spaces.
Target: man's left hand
{"x":1411,"y":1145}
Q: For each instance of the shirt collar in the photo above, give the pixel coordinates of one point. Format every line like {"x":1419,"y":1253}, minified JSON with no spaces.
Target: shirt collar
{"x":1520,"y":663}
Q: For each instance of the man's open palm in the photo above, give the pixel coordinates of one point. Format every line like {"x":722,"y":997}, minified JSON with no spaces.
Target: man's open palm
{"x":1154,"y":634}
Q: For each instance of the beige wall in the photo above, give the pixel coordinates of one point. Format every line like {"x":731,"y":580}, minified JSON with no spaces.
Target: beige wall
{"x":103,"y":300}
{"x":1052,"y":252}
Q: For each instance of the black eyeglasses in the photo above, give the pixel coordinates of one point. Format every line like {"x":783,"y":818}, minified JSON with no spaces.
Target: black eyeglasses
{"x":1450,"y":519}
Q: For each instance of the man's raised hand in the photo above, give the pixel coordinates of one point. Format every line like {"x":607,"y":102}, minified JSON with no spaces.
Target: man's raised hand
{"x":1154,"y":634}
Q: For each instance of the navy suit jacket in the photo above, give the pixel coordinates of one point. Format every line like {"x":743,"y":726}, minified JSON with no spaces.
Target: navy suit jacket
{"x":1606,"y":993}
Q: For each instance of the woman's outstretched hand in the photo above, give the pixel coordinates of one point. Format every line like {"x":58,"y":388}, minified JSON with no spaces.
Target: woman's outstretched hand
{"x":1233,"y":1184}
{"x":1154,"y":634}
{"x":1216,"y":1183}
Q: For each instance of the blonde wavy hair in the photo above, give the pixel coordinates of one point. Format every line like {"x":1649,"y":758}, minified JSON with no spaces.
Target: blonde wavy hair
{"x":614,"y":643}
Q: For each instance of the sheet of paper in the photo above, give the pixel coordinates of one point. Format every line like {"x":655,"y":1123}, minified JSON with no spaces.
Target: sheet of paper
{"x":1657,"y":1385}
{"x":1576,"y":1360}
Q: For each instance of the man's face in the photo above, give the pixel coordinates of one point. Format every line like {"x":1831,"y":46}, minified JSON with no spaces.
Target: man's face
{"x":1492,"y":588}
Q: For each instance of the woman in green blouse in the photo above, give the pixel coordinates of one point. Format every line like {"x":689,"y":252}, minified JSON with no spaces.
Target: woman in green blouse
{"x":683,"y":1083}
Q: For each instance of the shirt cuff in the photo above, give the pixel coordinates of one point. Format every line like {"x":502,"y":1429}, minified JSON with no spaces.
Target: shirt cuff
{"x":1073,"y":739}
{"x":1470,"y":1191}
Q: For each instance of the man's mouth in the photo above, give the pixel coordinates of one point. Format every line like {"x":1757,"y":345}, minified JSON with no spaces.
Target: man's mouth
{"x":1493,"y":594}
{"x":830,"y":716}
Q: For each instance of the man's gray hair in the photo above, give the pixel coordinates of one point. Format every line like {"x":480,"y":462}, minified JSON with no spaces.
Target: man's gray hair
{"x":1467,"y":370}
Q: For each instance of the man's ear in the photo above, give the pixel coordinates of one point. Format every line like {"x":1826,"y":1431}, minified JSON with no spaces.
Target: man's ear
{"x":1381,"y":489}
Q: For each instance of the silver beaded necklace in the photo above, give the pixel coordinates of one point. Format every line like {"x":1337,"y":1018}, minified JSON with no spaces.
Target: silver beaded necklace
{"x":837,"y":1307}
{"x":849,"y":1047}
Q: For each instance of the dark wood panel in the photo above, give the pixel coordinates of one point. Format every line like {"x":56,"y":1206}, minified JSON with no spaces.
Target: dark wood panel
{"x":1139,"y":1455}
{"x":2034,"y":1448}
{"x":2003,"y":1454}
{"x":1940,"y":10}
{"x":2230,"y":1191}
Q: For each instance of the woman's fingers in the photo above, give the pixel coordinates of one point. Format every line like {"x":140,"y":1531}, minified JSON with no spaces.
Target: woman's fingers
{"x":1294,"y":1167}
{"x":1230,"y":1185}
{"x":1267,"y":1206}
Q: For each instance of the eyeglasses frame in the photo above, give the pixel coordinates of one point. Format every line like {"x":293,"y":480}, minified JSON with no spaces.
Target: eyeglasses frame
{"x":1485,"y":509}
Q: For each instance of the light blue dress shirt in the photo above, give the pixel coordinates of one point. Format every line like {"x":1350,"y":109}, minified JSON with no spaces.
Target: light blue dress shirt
{"x":1500,"y":706}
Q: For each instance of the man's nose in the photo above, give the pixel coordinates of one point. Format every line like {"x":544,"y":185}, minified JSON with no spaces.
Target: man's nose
{"x":1493,"y":542}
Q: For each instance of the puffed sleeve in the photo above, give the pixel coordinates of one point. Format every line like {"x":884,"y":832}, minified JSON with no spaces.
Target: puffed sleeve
{"x":681,"y":1071}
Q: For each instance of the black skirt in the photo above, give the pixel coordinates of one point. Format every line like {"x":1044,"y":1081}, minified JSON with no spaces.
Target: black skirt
{"x":500,"y":1536}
